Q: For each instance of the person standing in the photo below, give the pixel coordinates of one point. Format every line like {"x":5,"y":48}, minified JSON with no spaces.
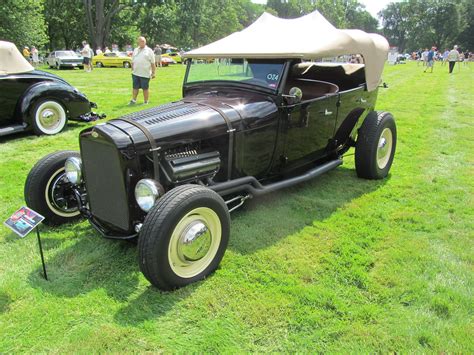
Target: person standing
{"x":445,"y":56}
{"x":143,"y":69}
{"x":35,"y":56}
{"x":158,"y":56}
{"x":424,"y":57}
{"x":453,"y":57}
{"x":87,"y":54}
{"x":26,"y":54}
{"x":430,"y":59}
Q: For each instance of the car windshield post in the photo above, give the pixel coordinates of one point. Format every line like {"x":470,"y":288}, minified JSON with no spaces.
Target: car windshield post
{"x":265,"y":73}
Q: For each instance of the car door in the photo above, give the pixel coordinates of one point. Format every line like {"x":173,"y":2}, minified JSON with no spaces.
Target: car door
{"x":111,"y":59}
{"x":310,"y":126}
{"x":13,"y":86}
{"x":51,"y":59}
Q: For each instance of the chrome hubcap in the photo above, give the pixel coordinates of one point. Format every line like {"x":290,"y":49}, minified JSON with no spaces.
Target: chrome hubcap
{"x":49,"y":118}
{"x":384,"y":148}
{"x":195,"y":241}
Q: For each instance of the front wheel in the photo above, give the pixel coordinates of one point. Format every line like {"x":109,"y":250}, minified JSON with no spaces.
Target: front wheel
{"x":375,"y":146}
{"x":49,"y":117}
{"x":126,"y":64}
{"x":99,"y":64}
{"x":48,"y":192}
{"x":184,"y":237}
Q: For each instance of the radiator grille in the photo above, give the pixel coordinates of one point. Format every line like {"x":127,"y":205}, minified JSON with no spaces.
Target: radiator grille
{"x":105,"y":183}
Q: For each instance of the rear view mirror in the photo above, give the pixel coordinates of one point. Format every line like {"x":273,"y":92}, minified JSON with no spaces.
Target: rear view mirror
{"x":294,"y":96}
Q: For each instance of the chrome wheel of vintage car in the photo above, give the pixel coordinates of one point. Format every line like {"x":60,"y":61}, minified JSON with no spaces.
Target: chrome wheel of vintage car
{"x":184,"y":237}
{"x":126,"y":64}
{"x":49,"y":193}
{"x":49,"y":117}
{"x":375,"y":146}
{"x":99,"y":64}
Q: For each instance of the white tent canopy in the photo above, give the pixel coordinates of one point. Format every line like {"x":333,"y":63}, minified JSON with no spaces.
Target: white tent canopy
{"x":308,"y":37}
{"x":11,"y":60}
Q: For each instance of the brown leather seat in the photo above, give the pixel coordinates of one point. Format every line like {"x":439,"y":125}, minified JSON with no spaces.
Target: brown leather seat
{"x":312,"y":89}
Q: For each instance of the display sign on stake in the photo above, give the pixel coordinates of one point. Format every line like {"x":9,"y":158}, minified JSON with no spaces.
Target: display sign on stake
{"x":22,"y":222}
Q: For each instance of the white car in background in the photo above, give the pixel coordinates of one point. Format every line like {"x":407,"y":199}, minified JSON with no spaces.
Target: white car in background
{"x":63,"y":59}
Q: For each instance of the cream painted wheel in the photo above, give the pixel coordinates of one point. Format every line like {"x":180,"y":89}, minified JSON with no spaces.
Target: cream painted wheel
{"x":194,"y":242}
{"x":49,"y":118}
{"x":184,"y":237}
{"x":384,"y":148}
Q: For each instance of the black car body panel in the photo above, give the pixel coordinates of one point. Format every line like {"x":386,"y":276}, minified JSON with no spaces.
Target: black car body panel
{"x":20,"y":92}
{"x":254,"y":132}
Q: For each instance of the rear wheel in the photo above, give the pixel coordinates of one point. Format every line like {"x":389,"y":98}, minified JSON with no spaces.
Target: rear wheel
{"x":48,"y":117}
{"x":126,"y":64}
{"x":375,"y":146}
{"x":184,"y":237}
{"x":48,"y":192}
{"x":99,"y":64}
{"x":58,"y":66}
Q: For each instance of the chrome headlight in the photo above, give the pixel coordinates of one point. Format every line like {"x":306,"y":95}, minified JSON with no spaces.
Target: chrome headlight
{"x":73,"y":168}
{"x":147,"y":192}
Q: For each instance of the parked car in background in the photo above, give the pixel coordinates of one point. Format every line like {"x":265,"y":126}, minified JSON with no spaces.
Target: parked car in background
{"x":33,"y":99}
{"x":255,"y":120}
{"x":65,"y":59}
{"x":173,"y":55}
{"x":165,"y":61}
{"x":112,"y":59}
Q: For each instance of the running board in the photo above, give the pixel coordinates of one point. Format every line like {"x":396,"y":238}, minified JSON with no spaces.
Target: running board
{"x":252,"y":186}
{"x":12,"y":129}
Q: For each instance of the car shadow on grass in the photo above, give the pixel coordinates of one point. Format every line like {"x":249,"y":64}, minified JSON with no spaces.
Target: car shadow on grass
{"x":5,"y":301}
{"x":264,"y":221}
{"x":92,"y":263}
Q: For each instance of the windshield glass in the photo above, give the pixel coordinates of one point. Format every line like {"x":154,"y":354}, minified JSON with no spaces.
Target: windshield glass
{"x":261,"y":72}
{"x":66,"y":54}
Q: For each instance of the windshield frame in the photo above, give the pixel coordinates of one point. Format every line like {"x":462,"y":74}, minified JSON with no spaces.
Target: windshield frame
{"x":236,"y":83}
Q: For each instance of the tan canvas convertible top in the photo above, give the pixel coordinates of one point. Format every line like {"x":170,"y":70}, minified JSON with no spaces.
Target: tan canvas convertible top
{"x":307,"y":37}
{"x":11,"y":60}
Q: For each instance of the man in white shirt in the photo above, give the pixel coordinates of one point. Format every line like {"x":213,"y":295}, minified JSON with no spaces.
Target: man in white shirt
{"x":143,"y":69}
{"x":453,"y":57}
{"x":87,"y":55}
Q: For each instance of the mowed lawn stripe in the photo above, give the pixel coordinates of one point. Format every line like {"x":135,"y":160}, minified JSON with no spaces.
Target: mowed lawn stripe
{"x":336,"y":264}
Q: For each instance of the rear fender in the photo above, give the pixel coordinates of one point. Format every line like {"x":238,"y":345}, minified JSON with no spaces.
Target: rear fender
{"x":348,"y":128}
{"x":75,"y":103}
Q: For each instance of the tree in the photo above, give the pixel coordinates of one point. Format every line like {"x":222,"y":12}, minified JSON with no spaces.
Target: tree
{"x":65,"y":23}
{"x":100,"y":15}
{"x":22,"y":22}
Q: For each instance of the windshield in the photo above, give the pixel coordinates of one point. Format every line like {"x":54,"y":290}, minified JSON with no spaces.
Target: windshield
{"x":262,"y":72}
{"x":66,"y":54}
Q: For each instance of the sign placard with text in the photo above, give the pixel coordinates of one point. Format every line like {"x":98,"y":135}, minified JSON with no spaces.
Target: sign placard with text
{"x":23,"y":221}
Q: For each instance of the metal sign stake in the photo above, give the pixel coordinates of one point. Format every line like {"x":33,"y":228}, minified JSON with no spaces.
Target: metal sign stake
{"x":41,"y":253}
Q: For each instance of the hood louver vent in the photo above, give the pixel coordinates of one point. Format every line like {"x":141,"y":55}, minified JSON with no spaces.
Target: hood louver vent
{"x":164,"y":113}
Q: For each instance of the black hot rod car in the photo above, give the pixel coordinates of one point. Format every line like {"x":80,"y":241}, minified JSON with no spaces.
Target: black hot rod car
{"x":253,"y":119}
{"x":33,"y":99}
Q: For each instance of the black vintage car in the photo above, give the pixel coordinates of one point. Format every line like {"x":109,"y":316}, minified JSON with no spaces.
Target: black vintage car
{"x":33,"y":99}
{"x":247,"y":125}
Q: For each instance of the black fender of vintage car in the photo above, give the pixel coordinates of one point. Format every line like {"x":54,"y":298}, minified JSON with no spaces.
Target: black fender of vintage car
{"x":74,"y":102}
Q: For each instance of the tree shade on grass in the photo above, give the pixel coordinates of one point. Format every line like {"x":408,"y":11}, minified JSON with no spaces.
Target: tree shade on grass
{"x":336,"y":264}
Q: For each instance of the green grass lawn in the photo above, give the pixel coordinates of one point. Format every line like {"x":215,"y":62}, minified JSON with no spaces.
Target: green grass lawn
{"x":337,"y":264}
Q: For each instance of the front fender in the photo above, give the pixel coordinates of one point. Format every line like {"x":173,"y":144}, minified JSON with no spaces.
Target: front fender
{"x":74,"y":102}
